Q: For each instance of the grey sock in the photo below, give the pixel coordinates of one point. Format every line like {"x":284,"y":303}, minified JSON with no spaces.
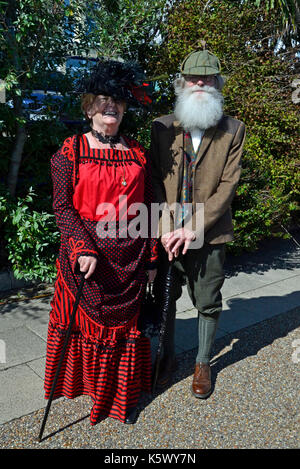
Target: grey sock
{"x":207,"y":328}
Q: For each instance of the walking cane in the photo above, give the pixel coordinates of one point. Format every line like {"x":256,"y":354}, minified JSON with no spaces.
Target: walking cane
{"x":77,"y":299}
{"x":165,"y":311}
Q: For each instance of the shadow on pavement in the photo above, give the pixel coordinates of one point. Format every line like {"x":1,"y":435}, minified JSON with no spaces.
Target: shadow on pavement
{"x":234,"y":347}
{"x":271,"y":254}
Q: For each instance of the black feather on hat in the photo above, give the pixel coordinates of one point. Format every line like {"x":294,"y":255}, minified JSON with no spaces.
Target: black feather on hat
{"x":120,"y":80}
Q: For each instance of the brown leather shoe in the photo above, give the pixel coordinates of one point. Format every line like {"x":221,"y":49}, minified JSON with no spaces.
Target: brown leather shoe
{"x":201,"y":386}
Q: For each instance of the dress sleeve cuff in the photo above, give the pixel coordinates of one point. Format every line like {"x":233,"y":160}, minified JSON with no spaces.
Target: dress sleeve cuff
{"x":77,"y":249}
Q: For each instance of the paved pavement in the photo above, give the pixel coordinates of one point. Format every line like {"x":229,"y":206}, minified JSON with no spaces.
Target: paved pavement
{"x":260,"y":326}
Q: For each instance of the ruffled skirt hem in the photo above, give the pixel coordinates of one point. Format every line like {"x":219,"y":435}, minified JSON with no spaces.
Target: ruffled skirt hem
{"x":111,"y":365}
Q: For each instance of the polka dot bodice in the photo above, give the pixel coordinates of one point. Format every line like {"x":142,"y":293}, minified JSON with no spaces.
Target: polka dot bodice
{"x":113,"y":294}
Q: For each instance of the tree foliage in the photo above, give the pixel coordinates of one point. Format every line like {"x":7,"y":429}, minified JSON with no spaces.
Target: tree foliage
{"x":289,"y":13}
{"x":126,"y":28}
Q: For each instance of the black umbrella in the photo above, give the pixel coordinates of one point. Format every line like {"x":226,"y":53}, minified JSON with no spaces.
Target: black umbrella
{"x":77,"y":299}
{"x":166,"y":286}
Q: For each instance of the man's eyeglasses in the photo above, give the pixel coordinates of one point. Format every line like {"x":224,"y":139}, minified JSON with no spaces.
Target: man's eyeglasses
{"x":204,"y":78}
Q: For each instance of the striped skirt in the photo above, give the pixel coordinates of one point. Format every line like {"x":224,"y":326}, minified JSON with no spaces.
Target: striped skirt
{"x":112,"y":365}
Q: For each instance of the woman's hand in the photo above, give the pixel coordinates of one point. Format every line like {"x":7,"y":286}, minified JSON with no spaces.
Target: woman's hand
{"x":151,"y":275}
{"x":87,"y":264}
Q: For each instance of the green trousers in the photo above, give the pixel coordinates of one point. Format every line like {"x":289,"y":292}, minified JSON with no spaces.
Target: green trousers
{"x":202,"y":269}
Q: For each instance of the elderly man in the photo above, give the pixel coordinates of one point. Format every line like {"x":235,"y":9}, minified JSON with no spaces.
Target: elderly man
{"x":196,"y":159}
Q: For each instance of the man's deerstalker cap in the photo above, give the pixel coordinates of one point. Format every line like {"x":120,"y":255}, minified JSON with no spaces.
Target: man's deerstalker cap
{"x":200,"y":62}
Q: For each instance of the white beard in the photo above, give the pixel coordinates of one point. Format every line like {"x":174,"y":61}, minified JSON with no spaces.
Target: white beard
{"x":198,"y":110}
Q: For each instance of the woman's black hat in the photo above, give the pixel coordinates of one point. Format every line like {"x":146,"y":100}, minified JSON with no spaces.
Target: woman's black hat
{"x":120,"y":80}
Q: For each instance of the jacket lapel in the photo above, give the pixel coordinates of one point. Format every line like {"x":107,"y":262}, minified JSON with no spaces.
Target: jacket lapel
{"x":177,"y":145}
{"x":177,"y":150}
{"x":207,"y":138}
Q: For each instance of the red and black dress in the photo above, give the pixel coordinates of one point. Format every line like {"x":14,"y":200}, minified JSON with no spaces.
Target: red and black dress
{"x":107,"y":357}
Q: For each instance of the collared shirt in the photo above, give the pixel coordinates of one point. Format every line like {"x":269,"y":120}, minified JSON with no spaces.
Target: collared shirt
{"x":196,"y":135}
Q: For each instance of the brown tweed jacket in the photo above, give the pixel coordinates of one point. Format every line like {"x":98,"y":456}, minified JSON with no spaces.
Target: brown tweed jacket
{"x":215,"y":176}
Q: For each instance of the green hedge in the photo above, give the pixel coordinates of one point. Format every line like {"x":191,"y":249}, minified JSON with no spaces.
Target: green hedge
{"x":31,"y":238}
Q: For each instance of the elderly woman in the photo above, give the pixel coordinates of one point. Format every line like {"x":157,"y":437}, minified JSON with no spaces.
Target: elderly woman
{"x":107,"y":357}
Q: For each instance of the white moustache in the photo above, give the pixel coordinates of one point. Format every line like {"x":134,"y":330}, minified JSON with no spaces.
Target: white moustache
{"x":195,"y":88}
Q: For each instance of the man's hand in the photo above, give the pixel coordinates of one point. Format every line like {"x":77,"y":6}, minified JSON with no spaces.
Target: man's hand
{"x":87,"y":264}
{"x":164,"y":241}
{"x":173,"y":241}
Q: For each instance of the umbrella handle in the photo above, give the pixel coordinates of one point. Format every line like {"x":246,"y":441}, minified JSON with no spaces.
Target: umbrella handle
{"x":77,"y":299}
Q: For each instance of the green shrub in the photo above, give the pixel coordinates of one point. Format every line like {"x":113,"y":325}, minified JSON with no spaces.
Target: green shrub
{"x":31,"y":238}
